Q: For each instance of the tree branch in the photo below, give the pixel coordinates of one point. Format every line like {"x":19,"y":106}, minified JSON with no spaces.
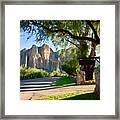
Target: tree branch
{"x":63,"y":31}
{"x":94,"y":31}
{"x":69,"y":33}
{"x":73,"y":43}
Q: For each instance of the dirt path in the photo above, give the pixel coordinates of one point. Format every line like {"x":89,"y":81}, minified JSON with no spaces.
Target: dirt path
{"x":44,"y":93}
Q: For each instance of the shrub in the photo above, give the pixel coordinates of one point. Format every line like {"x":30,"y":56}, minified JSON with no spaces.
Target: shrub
{"x":57,"y":74}
{"x":70,"y":67}
{"x":29,"y":73}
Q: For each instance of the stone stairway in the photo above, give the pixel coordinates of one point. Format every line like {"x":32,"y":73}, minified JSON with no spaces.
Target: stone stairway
{"x":37,"y":84}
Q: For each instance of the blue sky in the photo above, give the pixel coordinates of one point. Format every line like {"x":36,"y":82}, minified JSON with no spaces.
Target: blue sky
{"x":27,"y":43}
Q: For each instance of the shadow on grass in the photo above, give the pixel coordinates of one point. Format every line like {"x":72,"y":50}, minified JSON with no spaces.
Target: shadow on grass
{"x":87,"y":96}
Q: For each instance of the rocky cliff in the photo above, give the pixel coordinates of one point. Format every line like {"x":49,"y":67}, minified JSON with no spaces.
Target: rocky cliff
{"x":40,"y":57}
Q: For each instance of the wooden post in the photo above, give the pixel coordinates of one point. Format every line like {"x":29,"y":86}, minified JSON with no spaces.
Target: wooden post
{"x":80,"y":77}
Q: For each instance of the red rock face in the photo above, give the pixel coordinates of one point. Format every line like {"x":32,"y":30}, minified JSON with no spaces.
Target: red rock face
{"x":45,"y":52}
{"x":39,"y":57}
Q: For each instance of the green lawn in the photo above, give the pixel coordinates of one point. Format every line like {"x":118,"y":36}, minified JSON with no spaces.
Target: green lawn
{"x":64,"y":81}
{"x":87,"y":96}
{"x":71,"y":96}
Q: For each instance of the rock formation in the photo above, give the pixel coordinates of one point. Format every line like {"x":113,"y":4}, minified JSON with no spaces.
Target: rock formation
{"x":40,"y":57}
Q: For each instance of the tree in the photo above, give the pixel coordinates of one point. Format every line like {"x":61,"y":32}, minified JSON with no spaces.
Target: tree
{"x":84,"y":34}
{"x":69,"y":61}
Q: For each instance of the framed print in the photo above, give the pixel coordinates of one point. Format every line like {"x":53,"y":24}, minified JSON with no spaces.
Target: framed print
{"x":60,"y":59}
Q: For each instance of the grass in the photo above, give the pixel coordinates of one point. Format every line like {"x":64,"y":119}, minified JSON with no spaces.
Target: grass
{"x":64,"y":81}
{"x":71,"y":96}
{"x":87,"y":96}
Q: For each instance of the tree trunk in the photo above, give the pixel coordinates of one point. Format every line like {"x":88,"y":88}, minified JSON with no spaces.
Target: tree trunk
{"x":97,"y":88}
{"x":97,"y":72}
{"x":89,"y":68}
{"x":97,"y":77}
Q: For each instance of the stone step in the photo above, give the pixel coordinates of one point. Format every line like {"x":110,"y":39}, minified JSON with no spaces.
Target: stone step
{"x":25,"y":81}
{"x":34,"y":86}
{"x":35,"y":83}
{"x":37,"y":89}
{"x":45,"y":79}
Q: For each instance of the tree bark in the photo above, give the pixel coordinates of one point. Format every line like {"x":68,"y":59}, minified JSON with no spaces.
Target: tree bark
{"x":92,"y":54}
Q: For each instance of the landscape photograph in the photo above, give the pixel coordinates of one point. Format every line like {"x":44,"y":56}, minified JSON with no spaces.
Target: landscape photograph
{"x":59,"y":59}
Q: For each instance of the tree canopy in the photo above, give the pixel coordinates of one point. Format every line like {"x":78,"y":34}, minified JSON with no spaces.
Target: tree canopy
{"x":84,"y":34}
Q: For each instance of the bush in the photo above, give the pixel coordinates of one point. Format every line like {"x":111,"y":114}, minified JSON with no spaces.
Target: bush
{"x":57,"y":74}
{"x":29,"y":73}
